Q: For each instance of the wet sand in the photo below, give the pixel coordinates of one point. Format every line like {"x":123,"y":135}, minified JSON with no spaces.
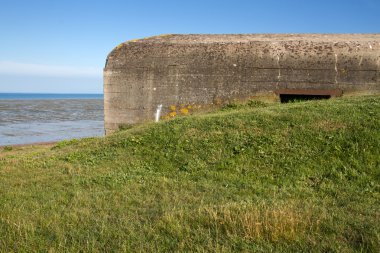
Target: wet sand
{"x":40,"y":121}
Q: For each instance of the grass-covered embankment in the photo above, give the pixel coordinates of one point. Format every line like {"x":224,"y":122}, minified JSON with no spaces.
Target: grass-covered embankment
{"x":295,"y":177}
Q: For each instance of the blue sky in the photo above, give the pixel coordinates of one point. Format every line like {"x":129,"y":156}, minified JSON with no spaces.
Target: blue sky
{"x":57,"y":46}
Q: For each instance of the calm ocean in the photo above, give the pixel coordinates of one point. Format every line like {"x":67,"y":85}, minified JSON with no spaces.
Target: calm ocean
{"x":30,"y":118}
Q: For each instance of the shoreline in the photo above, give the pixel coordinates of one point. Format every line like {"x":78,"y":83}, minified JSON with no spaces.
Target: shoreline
{"x":47,"y":143}
{"x":19,"y":149}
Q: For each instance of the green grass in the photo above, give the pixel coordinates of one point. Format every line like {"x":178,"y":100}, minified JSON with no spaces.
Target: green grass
{"x":285,"y":178}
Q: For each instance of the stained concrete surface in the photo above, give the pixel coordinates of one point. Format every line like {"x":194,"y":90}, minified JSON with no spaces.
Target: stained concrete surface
{"x":190,"y":72}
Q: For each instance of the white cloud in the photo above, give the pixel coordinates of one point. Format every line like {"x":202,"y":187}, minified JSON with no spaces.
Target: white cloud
{"x":26,"y":69}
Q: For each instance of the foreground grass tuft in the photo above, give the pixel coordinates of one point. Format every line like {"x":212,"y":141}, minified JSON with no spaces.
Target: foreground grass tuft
{"x":256,"y":177}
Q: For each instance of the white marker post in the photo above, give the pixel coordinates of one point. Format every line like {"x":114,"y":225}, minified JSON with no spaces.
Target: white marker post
{"x":158,"y":113}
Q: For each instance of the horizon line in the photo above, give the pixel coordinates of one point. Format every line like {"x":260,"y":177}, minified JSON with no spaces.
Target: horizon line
{"x":52,"y":93}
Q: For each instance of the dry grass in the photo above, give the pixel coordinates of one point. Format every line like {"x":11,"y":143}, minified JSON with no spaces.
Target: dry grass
{"x":261,"y":222}
{"x":328,"y":125}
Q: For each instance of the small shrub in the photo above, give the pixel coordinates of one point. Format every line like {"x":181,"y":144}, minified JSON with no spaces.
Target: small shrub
{"x":123,"y":127}
{"x":256,"y":103}
{"x":231,"y":106}
{"x":8,"y":148}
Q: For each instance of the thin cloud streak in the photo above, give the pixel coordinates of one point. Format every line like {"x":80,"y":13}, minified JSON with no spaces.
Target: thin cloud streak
{"x":26,"y":69}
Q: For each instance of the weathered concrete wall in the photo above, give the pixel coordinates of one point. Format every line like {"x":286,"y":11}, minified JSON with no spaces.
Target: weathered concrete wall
{"x":189,"y":71}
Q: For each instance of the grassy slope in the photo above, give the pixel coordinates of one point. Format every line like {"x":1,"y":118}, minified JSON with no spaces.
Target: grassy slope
{"x":295,"y":177}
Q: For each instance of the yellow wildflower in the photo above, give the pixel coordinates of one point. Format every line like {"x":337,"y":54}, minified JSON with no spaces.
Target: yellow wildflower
{"x":184,"y":111}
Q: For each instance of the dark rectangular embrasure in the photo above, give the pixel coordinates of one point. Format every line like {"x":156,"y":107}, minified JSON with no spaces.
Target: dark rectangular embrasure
{"x":288,"y":95}
{"x":286,"y":98}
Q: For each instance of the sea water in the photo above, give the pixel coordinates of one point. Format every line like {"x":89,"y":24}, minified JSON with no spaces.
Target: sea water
{"x":32,"y":118}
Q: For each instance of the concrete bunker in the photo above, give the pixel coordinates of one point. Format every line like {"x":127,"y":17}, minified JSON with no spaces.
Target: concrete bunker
{"x":182,"y":73}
